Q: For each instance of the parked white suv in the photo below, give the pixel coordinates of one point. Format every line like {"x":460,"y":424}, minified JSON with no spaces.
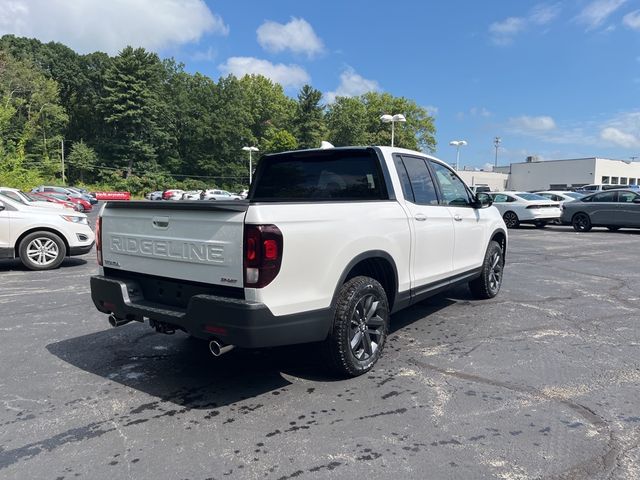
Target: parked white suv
{"x":42,"y":237}
{"x":329,"y":244}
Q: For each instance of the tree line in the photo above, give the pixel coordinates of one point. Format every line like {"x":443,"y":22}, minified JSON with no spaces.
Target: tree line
{"x":138,"y":122}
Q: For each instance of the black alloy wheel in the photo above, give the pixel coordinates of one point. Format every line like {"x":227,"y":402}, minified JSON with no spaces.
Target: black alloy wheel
{"x":488,"y":284}
{"x":511,"y":220}
{"x":581,"y":222}
{"x":360,"y":328}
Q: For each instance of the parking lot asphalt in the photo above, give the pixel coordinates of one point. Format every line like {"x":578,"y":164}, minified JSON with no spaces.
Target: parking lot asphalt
{"x":540,"y":382}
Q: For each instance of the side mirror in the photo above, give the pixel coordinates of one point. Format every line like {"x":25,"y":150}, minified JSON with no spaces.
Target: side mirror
{"x":483,"y":200}
{"x":2,"y":207}
{"x":636,"y":200}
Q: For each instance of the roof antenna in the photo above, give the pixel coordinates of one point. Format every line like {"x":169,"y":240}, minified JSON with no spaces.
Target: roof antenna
{"x":324,"y":145}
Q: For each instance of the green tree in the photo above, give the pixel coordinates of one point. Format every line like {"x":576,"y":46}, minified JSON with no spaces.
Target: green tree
{"x":279,"y":140}
{"x":31,"y":118}
{"x":132,"y":108}
{"x":267,"y":105}
{"x":310,"y":127}
{"x":82,"y":158}
{"x":417,"y":133}
{"x":347,"y":122}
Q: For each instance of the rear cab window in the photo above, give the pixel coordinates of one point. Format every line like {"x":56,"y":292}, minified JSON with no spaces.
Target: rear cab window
{"x":318,"y":175}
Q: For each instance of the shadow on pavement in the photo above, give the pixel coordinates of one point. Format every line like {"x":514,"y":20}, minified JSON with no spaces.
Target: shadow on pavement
{"x":180,"y":369}
{"x":16,"y":265}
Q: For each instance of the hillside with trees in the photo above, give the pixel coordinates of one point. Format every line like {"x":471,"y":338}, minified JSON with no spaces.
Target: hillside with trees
{"x":139,"y":122}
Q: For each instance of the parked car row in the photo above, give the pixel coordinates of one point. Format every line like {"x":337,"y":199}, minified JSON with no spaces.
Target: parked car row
{"x":80,"y":197}
{"x":613,"y":209}
{"x":209,"y":194}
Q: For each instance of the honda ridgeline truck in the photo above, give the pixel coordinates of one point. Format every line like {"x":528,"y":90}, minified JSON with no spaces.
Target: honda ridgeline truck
{"x":329,"y":244}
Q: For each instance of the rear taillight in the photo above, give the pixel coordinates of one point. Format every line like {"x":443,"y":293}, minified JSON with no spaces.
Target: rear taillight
{"x":262,"y":254}
{"x":99,"y":240}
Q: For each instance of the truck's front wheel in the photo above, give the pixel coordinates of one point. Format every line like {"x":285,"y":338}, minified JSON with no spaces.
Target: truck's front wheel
{"x":360,"y":327}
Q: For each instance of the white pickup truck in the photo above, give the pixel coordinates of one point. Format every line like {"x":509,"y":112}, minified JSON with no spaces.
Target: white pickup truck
{"x":328,"y":244}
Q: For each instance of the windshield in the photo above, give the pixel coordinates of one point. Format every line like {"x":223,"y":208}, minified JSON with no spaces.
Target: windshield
{"x":4,"y":197}
{"x":573,"y":195}
{"x":531,"y":196}
{"x":15,"y":196}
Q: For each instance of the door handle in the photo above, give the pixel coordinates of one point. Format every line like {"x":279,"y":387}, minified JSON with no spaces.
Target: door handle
{"x":420,"y":217}
{"x":457,"y":218}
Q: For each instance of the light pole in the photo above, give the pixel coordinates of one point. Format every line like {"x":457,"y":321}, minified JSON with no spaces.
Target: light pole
{"x":398,"y":117}
{"x":497,"y":141}
{"x":250,"y":150}
{"x":458,"y":144}
{"x":62,"y":157}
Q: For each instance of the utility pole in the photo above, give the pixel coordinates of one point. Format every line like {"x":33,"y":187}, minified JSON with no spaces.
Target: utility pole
{"x":497,"y":141}
{"x":62,"y":156}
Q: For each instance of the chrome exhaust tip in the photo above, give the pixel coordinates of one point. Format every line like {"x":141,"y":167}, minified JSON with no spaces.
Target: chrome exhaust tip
{"x":216,"y":348}
{"x":117,"y":322}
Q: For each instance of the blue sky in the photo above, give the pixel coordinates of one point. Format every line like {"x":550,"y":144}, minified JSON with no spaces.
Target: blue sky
{"x":553,"y":79}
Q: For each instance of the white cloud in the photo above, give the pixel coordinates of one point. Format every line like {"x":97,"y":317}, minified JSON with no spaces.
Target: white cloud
{"x":352,"y":85}
{"x":532,"y":125}
{"x":285,"y":75}
{"x":619,"y":138}
{"x":109,"y":26}
{"x":598,"y":11}
{"x":502,"y":33}
{"x":621,"y":129}
{"x":544,"y":14}
{"x":632,"y":20}
{"x":479,"y":112}
{"x":204,"y":55}
{"x":432,"y":110}
{"x":297,"y":36}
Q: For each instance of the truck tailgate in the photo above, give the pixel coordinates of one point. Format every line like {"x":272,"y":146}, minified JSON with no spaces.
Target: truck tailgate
{"x":196,"y":241}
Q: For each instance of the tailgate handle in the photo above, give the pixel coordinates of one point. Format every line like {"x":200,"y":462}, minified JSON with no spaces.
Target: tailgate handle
{"x":161,"y":222}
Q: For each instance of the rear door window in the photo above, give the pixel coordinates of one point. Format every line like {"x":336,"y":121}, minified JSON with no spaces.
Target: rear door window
{"x":417,"y":184}
{"x":626,"y":197}
{"x":605,"y":197}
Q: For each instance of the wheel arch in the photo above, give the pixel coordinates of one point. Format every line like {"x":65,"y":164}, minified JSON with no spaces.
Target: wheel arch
{"x":40,"y":229}
{"x":580,"y":212}
{"x":376,"y":264}
{"x":500,"y":236}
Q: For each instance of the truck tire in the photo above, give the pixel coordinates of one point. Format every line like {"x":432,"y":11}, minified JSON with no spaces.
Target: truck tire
{"x":42,"y":251}
{"x":487,"y":285}
{"x":360,"y":327}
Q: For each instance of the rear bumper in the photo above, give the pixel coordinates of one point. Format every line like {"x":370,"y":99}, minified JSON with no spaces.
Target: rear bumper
{"x":233,"y":321}
{"x":538,"y":215}
{"x":80,"y":250}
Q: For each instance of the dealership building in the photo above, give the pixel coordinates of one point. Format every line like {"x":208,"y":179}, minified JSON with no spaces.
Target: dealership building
{"x":533,"y":174}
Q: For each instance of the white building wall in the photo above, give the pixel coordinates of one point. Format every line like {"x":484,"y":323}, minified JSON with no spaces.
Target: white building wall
{"x":495,"y":181}
{"x":619,"y":169}
{"x":540,"y":175}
